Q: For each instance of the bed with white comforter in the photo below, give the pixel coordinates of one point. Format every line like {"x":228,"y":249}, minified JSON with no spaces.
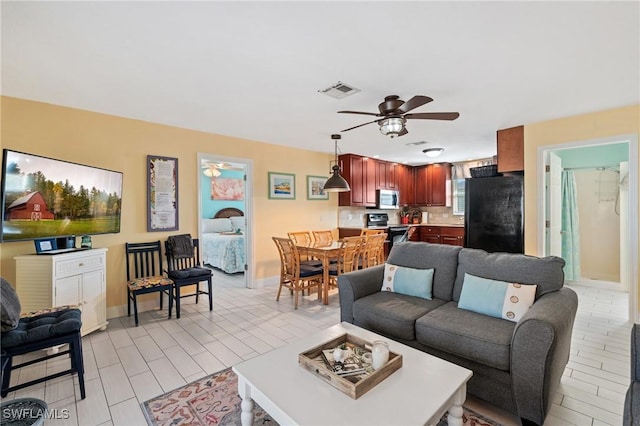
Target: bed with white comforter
{"x":222,"y":243}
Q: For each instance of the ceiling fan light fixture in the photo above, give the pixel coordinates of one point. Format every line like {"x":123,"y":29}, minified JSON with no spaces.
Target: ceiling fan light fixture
{"x":392,"y":126}
{"x":432,"y":152}
{"x":336,"y":183}
{"x":211,"y":172}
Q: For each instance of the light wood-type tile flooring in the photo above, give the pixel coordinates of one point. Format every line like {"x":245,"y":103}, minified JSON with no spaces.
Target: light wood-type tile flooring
{"x":126,"y":365}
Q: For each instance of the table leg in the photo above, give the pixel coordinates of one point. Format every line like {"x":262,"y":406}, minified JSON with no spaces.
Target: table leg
{"x":325,"y":279}
{"x":244,"y":390}
{"x":455,"y":411}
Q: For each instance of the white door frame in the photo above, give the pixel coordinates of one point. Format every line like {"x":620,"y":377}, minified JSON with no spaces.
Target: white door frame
{"x":249,"y":274}
{"x":632,"y":140}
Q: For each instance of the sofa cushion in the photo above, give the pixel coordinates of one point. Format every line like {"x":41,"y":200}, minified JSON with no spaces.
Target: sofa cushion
{"x":442,"y":258}
{"x":474,"y":336}
{"x":409,"y":281}
{"x":545,"y":272}
{"x":392,"y":314}
{"x":498,"y":299}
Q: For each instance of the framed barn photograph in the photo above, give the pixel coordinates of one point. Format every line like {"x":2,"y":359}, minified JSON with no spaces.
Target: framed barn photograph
{"x":314,"y":188}
{"x":282,"y":186}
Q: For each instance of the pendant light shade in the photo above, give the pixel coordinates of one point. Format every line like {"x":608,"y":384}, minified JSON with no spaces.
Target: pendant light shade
{"x":336,"y":183}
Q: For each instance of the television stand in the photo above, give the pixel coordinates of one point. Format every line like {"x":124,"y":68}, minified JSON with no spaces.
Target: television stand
{"x":73,"y":278}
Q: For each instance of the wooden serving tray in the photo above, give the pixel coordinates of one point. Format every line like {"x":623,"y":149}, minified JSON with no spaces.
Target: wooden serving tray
{"x":352,"y":386}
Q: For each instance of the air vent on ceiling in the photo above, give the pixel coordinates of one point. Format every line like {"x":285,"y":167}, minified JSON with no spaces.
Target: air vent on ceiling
{"x":416,"y":143}
{"x":339,"y":90}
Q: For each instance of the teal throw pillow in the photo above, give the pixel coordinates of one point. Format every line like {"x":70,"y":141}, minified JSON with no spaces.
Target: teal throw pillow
{"x":409,"y":281}
{"x":498,"y":299}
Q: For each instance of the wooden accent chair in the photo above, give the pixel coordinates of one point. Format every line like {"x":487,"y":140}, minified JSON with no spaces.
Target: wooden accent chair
{"x":144,"y":275}
{"x":186,"y":269}
{"x":292,"y":275}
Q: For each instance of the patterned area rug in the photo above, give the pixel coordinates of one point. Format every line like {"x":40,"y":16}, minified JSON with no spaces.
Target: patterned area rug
{"x":214,"y":400}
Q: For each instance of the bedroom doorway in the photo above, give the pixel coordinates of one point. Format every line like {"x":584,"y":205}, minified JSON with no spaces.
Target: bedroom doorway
{"x":224,"y":217}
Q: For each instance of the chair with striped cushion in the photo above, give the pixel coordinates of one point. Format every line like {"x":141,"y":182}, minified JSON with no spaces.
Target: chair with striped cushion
{"x":144,"y":274}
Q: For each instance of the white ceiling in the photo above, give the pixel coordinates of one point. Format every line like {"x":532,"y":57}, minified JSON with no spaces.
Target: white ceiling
{"x":253,"y":69}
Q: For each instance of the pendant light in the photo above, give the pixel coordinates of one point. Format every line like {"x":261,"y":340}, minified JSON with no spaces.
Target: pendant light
{"x":336,"y":183}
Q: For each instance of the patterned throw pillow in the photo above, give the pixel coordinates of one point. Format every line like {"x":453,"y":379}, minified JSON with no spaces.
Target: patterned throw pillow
{"x":409,"y":281}
{"x":498,"y":299}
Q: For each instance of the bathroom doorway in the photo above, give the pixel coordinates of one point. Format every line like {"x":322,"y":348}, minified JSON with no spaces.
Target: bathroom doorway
{"x":605,"y":171}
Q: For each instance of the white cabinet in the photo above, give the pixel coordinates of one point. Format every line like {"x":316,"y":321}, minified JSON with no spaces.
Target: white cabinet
{"x":77,"y":278}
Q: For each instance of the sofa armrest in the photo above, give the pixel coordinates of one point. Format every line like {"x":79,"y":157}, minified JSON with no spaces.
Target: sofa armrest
{"x":540,"y":352}
{"x":354,"y":285}
{"x":635,"y":353}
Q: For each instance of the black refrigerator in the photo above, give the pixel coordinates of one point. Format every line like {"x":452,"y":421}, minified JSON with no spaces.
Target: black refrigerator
{"x":494,"y":212}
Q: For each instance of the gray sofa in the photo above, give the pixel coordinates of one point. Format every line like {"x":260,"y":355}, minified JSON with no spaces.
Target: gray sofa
{"x":516,"y":366}
{"x":631,"y":415}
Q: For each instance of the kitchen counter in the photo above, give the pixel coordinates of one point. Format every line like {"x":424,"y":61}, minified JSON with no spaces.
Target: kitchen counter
{"x":452,"y":225}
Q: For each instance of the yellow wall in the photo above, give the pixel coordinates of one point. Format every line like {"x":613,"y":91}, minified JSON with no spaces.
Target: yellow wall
{"x":122,"y":144}
{"x":597,"y":125}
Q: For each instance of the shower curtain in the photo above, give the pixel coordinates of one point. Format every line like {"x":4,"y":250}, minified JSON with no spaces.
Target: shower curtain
{"x":570,"y":227}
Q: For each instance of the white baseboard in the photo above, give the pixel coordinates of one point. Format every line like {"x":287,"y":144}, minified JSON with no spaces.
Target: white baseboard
{"x":266,"y":282}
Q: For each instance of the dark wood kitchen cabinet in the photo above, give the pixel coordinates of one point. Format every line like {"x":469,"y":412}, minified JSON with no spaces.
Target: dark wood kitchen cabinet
{"x":405,"y":183}
{"x":451,"y":235}
{"x":360,"y":172}
{"x":386,"y":175}
{"x":431,"y":184}
{"x":510,"y":147}
{"x":430,"y":234}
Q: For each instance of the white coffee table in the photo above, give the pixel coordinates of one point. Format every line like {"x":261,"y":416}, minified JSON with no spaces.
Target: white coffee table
{"x":419,"y":393}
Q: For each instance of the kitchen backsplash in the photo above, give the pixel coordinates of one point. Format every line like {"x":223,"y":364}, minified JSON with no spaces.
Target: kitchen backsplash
{"x":354,"y":217}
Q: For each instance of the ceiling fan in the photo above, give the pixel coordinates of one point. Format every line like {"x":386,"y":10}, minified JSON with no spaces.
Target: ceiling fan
{"x":394,"y":113}
{"x":212,"y":169}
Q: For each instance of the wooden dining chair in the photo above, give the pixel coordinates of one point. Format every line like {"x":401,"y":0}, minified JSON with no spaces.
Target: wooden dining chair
{"x":372,"y":250}
{"x":292,"y":275}
{"x":348,"y":258}
{"x":144,"y":275}
{"x":323,"y":237}
{"x":304,"y":238}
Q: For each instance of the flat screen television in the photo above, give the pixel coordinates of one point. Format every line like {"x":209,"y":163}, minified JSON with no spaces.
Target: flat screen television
{"x":45,"y":197}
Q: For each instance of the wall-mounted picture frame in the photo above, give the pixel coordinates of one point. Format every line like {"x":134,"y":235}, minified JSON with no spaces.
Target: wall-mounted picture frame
{"x":314,"y":188}
{"x":282,"y":186}
{"x":162,"y":193}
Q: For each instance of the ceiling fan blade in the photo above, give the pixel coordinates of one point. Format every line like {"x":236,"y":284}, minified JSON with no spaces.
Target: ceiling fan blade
{"x":359,"y":125}
{"x":414,"y":102}
{"x":433,"y":115}
{"x":360,"y":112}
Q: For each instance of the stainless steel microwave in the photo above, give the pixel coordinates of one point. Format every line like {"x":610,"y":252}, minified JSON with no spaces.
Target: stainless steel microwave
{"x":387,"y":199}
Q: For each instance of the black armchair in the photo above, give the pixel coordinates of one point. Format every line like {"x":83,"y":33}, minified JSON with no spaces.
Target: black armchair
{"x":37,"y":331}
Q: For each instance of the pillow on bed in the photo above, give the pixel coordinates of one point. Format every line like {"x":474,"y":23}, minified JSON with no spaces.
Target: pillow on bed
{"x":216,"y":225}
{"x":238,"y":222}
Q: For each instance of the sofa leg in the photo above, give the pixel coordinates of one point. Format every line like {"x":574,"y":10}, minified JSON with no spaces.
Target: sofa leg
{"x":527,"y":422}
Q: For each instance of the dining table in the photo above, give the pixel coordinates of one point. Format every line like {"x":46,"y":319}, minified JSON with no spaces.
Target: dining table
{"x":324,"y":251}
